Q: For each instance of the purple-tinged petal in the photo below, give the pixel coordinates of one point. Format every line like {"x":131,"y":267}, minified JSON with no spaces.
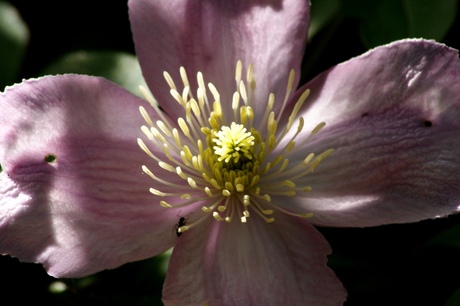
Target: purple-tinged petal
{"x":211,"y":36}
{"x":89,"y":209}
{"x":392,"y":117}
{"x":281,"y":263}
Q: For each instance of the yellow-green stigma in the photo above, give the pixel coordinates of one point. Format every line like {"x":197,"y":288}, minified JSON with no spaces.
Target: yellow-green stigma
{"x":233,"y":143}
{"x":225,"y":156}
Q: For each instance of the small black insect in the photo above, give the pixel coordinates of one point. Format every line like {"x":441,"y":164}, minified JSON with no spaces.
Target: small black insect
{"x":179,"y":224}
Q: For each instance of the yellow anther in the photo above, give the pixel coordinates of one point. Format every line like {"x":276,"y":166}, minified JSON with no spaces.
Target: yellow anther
{"x":217,"y":216}
{"x":183,"y":75}
{"x":145,"y":115}
{"x":167,"y":167}
{"x":181,"y":173}
{"x":182,"y":229}
{"x":191,"y":182}
{"x":169,"y":80}
{"x":156,"y":192}
{"x":206,"y":209}
{"x":183,"y":126}
{"x":164,"y":204}
{"x":215,"y":94}
{"x":208,"y":191}
{"x":164,"y":128}
{"x":221,"y":208}
{"x":238,"y":70}
{"x":250,"y":77}
{"x":288,"y":183}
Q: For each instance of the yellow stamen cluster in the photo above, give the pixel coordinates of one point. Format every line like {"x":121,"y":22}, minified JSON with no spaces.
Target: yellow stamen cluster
{"x":233,"y":143}
{"x":227,"y":161}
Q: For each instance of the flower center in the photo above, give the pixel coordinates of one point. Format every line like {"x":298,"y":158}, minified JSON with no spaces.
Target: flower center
{"x":233,"y":143}
{"x":232,"y":163}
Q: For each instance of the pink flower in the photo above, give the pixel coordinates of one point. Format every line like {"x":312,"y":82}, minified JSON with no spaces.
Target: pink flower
{"x":239,"y":172}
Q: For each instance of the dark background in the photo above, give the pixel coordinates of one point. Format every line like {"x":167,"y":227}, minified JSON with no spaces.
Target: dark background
{"x":410,"y":264}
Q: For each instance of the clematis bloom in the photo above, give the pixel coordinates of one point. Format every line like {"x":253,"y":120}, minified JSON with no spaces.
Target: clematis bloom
{"x":240,"y":164}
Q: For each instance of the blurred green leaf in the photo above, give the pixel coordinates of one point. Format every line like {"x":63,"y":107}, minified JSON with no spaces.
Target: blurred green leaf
{"x":454,"y":300}
{"x":321,"y":13}
{"x":383,"y":21}
{"x":431,"y":19}
{"x":449,"y":238}
{"x":14,"y":36}
{"x":119,"y":67}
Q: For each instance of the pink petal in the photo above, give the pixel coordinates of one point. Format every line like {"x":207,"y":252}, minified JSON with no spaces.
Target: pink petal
{"x":392,"y":116}
{"x":210,"y":36}
{"x":90,"y":209}
{"x":281,"y":263}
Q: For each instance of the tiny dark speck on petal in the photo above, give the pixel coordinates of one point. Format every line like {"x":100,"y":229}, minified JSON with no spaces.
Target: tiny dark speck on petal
{"x":427,"y":123}
{"x":364,"y":114}
{"x":50,"y":158}
{"x":1,"y":169}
